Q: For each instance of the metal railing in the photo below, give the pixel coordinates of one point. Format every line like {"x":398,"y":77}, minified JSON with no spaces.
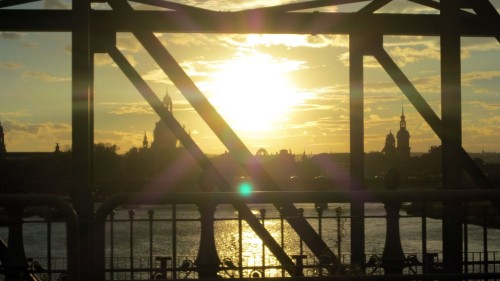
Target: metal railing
{"x":50,"y":226}
{"x":147,"y":243}
{"x":192,"y":235}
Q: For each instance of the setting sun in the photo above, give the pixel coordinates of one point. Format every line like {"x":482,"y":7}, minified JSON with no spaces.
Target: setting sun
{"x":253,"y":93}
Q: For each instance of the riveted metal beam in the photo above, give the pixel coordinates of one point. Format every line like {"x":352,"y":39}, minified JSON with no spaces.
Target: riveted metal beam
{"x":240,"y":22}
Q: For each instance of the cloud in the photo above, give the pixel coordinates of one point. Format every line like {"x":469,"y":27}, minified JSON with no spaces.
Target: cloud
{"x":483,"y":105}
{"x":195,"y":39}
{"x":55,"y":4}
{"x":128,"y":108}
{"x":127,"y":42}
{"x":404,"y":56}
{"x":407,"y":7}
{"x":44,"y":76}
{"x":469,"y":78}
{"x":287,"y":40}
{"x":156,"y":75}
{"x":25,"y":136}
{"x":479,"y":44}
{"x":11,"y":35}
{"x":102,"y":60}
{"x":141,"y":108}
{"x":15,"y":114}
{"x":11,"y":65}
{"x":124,"y":140}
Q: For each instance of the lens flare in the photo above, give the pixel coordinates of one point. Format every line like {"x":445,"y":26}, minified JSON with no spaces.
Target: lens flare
{"x":245,"y":189}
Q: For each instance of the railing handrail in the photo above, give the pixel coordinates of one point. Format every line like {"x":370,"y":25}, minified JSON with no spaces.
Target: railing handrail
{"x":67,"y":213}
{"x":261,"y":197}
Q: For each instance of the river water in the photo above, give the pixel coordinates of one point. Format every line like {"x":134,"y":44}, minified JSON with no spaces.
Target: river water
{"x":334,"y":230}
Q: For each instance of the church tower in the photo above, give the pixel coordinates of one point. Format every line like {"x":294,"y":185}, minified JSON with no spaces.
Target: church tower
{"x":390,"y":145}
{"x":163,"y":138}
{"x":145,"y":142}
{"x":403,"y":137}
{"x":3,"y":150}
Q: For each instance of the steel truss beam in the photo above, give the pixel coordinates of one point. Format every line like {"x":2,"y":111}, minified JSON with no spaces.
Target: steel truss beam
{"x":239,"y":22}
{"x":228,"y":137}
{"x":91,"y":27}
{"x":199,"y":156}
{"x":427,"y":113}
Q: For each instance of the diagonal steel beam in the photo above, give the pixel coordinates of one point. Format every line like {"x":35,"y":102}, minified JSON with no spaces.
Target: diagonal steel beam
{"x":199,"y":156}
{"x":228,"y":137}
{"x":427,"y":113}
{"x":172,"y":6}
{"x":302,"y":6}
{"x":9,"y":3}
{"x":488,"y":15}
{"x":373,"y":6}
{"x":437,"y":6}
{"x":165,"y":115}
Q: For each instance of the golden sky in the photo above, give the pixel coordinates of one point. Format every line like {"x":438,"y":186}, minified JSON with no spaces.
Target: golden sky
{"x":276,"y":91}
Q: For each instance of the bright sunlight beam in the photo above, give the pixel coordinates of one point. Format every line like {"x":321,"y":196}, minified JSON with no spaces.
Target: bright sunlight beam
{"x":253,"y":93}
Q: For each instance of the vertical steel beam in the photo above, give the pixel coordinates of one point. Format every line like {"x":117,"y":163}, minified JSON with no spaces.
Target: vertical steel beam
{"x":428,"y":114}
{"x":451,"y":132}
{"x":357,"y":170}
{"x":200,"y":158}
{"x":82,"y":131}
{"x":218,"y":125}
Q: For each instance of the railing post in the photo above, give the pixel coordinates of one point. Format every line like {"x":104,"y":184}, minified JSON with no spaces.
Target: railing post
{"x":451,"y":115}
{"x":393,"y":257}
{"x":15,"y":260}
{"x":263,"y":218}
{"x":207,"y":262}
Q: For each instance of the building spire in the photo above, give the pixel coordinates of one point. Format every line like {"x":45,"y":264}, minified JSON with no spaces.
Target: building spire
{"x":167,"y":101}
{"x":145,"y":142}
{"x":402,"y":123}
{"x":402,"y":110}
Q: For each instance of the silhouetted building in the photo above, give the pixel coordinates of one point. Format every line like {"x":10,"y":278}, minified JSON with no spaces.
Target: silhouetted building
{"x":164,"y":140}
{"x":403,"y":138}
{"x":390,"y":145}
{"x":2,"y":140}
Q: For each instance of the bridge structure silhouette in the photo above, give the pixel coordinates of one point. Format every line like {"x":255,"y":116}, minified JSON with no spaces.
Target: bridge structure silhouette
{"x":94,"y":31}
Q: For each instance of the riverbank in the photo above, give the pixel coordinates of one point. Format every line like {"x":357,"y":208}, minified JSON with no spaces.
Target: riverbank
{"x":477,"y":213}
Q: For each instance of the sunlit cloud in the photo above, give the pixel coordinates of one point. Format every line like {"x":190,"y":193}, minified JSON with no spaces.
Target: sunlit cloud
{"x":128,"y":108}
{"x":287,"y":40}
{"x":124,"y":140}
{"x":11,"y":65}
{"x":127,"y":42}
{"x":471,"y":77}
{"x":195,"y":40}
{"x":406,"y":7}
{"x":56,"y":4}
{"x":102,"y":60}
{"x":15,"y":114}
{"x":30,"y":45}
{"x":230,"y":5}
{"x":483,"y":105}
{"x":157,"y":75}
{"x":24,"y":136}
{"x":44,"y":76}
{"x":479,"y":44}
{"x":11,"y":35}
{"x":404,"y":56}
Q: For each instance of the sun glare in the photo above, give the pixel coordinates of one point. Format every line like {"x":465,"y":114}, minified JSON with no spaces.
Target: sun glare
{"x":253,"y":93}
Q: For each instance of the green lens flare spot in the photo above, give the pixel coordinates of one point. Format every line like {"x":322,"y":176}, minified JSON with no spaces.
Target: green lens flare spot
{"x":245,"y":188}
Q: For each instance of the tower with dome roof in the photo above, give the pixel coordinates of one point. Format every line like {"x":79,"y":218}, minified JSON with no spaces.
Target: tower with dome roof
{"x":403,"y":137}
